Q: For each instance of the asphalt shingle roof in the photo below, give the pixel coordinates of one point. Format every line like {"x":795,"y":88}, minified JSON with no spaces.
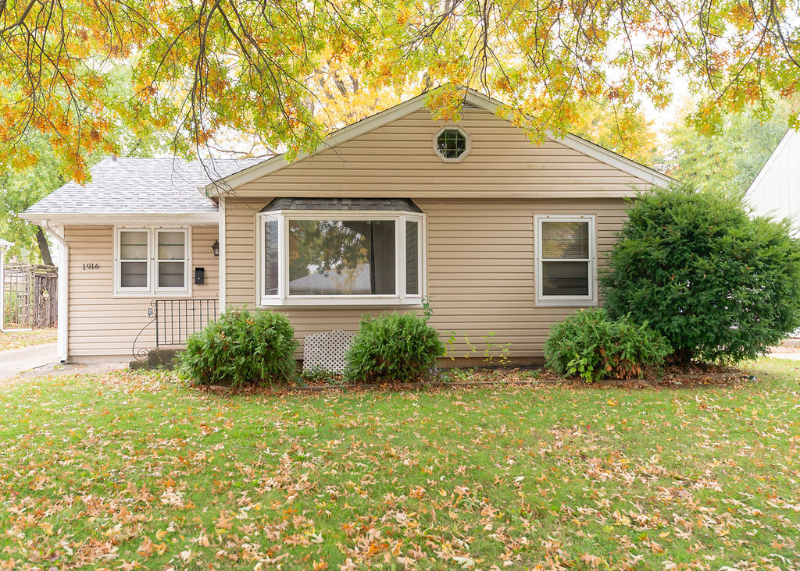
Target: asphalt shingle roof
{"x":141,"y":186}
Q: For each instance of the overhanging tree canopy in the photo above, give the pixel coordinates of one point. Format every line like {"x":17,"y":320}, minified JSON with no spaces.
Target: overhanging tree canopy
{"x":207,"y":68}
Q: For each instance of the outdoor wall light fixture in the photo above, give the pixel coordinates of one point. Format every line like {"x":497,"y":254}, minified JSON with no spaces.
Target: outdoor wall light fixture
{"x":215,"y":248}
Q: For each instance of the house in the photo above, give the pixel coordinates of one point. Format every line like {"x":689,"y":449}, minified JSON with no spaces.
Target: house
{"x":503,"y":237}
{"x":776,"y":189}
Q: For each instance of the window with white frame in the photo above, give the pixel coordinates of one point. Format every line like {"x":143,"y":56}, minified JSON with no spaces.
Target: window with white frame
{"x":340,"y":257}
{"x":151,"y":261}
{"x":565,"y":260}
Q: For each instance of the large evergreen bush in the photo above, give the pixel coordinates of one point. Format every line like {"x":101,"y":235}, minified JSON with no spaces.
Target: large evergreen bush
{"x":718,"y":284}
{"x":241,"y":348}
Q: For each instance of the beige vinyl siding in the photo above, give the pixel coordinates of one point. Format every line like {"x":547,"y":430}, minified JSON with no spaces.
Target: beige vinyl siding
{"x":480,"y":269}
{"x":480,"y":221}
{"x":397,"y":160}
{"x":101,"y":324}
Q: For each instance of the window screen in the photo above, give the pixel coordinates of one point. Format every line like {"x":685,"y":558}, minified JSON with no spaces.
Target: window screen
{"x":565,"y":258}
{"x":171,"y":257}
{"x":133,"y":255}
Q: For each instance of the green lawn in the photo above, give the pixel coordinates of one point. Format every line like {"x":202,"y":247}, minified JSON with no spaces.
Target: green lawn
{"x":19,"y":339}
{"x":135,"y":470}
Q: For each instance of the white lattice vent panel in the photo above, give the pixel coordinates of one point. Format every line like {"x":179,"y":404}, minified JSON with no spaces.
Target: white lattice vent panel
{"x":326,"y":350}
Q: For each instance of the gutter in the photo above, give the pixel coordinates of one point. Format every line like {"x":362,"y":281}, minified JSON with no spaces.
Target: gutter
{"x":63,"y":291}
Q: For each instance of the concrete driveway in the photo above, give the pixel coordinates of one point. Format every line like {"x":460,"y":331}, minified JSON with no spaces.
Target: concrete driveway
{"x":42,"y":360}
{"x":17,"y":361}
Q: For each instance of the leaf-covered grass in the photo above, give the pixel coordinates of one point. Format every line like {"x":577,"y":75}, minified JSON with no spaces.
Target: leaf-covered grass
{"x":136,"y":469}
{"x":19,"y":339}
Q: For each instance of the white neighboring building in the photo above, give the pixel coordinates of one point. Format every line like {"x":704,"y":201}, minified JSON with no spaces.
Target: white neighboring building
{"x":776,"y":189}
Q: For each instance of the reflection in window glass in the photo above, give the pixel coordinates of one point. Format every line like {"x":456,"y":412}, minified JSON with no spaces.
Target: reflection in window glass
{"x":271,"y":262}
{"x":565,"y":240}
{"x":341,"y":257}
{"x":451,"y":143}
{"x":412,"y":257}
{"x":565,"y":278}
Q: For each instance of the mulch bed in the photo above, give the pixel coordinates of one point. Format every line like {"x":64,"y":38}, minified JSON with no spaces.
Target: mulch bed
{"x":670,"y":377}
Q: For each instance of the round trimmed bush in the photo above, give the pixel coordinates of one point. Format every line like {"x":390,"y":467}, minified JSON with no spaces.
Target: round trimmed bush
{"x":719,"y":284}
{"x":590,"y":345}
{"x":392,"y":347}
{"x":241,"y":348}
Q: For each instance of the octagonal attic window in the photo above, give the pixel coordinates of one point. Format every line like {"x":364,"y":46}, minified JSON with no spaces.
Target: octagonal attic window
{"x":451,"y":144}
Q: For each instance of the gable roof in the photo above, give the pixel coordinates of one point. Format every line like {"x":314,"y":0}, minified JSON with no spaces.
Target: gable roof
{"x":787,"y":137}
{"x":139,"y":186}
{"x":472,"y":98}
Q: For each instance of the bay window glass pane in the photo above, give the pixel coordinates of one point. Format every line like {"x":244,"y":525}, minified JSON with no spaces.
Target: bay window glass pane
{"x":271,"y":261}
{"x":133,"y":245}
{"x":565,"y":278}
{"x":171,"y":245}
{"x":171,"y":274}
{"x":342,"y":257}
{"x":133,"y":274}
{"x":565,"y":240}
{"x":412,"y":257}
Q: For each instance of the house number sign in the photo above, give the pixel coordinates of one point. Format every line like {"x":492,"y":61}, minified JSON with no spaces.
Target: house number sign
{"x":91,"y":266}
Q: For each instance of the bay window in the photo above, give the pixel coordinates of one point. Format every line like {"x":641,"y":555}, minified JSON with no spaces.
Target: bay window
{"x":565,"y":260}
{"x":341,"y":252}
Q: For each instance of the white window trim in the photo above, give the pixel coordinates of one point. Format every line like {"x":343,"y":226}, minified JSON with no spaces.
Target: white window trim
{"x":152,"y":288}
{"x":566,"y":300}
{"x":284,"y":299}
{"x":459,"y":158}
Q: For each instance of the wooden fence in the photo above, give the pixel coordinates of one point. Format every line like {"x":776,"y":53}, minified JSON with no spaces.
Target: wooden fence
{"x":31,"y":293}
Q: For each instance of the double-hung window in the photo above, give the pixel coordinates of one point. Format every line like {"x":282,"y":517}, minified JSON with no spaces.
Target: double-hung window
{"x":151,"y":261}
{"x":340,"y":252}
{"x":565,"y":260}
{"x":133,"y":260}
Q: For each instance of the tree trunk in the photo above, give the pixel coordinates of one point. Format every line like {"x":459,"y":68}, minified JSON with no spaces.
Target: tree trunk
{"x":44,"y":247}
{"x":683,"y":357}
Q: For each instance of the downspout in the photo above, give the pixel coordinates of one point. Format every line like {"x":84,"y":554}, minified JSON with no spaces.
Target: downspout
{"x":223,"y":251}
{"x":63,"y":291}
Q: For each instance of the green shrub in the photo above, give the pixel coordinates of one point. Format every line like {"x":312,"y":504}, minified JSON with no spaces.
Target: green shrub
{"x":718,"y":284}
{"x":590,"y":345}
{"x":241,"y":348}
{"x":392,"y":348}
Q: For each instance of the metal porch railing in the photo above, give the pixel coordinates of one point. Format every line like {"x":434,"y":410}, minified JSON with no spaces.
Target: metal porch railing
{"x":176,"y":319}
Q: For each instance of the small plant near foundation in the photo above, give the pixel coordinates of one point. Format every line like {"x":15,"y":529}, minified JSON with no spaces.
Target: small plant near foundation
{"x":241,"y":348}
{"x":592,"y":346}
{"x":456,"y":375}
{"x":320,"y":375}
{"x":492,"y":350}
